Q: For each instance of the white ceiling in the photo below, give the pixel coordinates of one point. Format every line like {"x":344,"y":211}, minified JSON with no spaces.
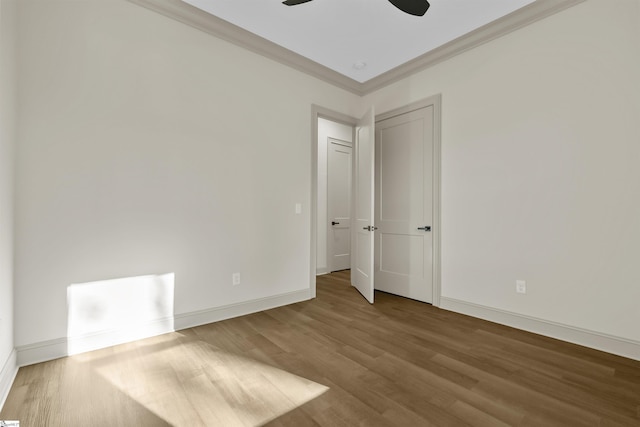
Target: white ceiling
{"x":341,"y":33}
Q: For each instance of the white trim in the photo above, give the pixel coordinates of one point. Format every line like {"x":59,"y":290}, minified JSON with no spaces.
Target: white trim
{"x":42,"y":351}
{"x":597,"y":340}
{"x":322,"y":271}
{"x":201,"y":20}
{"x":7,"y":376}
{"x":196,"y":18}
{"x":437,"y":200}
{"x":316,"y":113}
{"x":529,"y":14}
{"x":103,"y":339}
{"x":54,"y":349}
{"x":197,"y":318}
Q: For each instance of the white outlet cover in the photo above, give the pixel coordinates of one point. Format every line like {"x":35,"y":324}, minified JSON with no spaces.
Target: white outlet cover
{"x":521,"y":286}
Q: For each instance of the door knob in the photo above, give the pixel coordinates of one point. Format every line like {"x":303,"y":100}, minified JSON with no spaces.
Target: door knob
{"x":334,"y":223}
{"x":425,"y":228}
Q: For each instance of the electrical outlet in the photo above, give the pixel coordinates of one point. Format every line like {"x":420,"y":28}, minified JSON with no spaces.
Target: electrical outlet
{"x":235,"y":277}
{"x":521,"y":286}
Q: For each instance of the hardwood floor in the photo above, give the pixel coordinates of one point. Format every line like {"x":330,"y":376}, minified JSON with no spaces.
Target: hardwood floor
{"x":334,"y":361}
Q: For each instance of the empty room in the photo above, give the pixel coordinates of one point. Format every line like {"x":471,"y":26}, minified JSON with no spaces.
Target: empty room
{"x":319,"y":213}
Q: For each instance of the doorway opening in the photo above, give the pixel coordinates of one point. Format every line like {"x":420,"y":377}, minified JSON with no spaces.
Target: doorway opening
{"x":335,"y":144}
{"x":326,"y":226}
{"x":325,"y":124}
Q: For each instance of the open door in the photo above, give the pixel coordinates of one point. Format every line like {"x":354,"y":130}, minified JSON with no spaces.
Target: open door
{"x":363,"y":229}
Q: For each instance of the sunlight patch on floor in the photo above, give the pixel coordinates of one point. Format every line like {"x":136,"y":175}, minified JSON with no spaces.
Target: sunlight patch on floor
{"x":194,"y":383}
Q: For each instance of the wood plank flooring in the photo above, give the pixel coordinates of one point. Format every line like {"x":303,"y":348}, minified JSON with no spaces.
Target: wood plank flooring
{"x":334,"y":361}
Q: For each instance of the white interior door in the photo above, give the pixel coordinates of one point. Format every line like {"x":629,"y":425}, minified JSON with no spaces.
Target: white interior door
{"x":362,"y":233}
{"x":404,"y":205}
{"x":339,"y":204}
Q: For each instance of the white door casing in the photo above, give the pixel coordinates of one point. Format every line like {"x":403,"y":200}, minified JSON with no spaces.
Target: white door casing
{"x":404,"y":204}
{"x":317,"y":112}
{"x":363,"y":212}
{"x":339,"y":176}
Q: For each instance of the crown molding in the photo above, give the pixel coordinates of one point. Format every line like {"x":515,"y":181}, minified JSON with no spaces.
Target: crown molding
{"x":199,"y":19}
{"x":529,"y":14}
{"x":196,"y":18}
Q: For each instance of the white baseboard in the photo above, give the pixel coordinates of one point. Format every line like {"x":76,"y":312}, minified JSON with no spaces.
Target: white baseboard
{"x":53,"y":349}
{"x":61,"y":347}
{"x":197,"y":318}
{"x":7,"y":376}
{"x":42,"y":351}
{"x":142,"y":330}
{"x":599,"y":341}
{"x":321,"y":271}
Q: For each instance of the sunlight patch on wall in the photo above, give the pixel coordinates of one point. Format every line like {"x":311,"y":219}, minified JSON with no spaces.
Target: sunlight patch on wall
{"x":110,"y":312}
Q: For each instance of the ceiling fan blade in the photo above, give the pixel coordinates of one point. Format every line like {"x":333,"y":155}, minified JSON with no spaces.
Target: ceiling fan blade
{"x":294,"y":2}
{"x":412,"y":7}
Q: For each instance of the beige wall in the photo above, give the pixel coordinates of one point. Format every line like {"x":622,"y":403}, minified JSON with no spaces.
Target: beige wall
{"x":149,"y":147}
{"x":540,"y":175}
{"x":7,"y":141}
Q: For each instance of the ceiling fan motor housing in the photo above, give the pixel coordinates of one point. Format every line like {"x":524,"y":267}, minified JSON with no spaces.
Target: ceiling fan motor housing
{"x":412,"y":7}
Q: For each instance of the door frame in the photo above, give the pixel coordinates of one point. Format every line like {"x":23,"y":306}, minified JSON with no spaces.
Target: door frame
{"x":316,"y":113}
{"x":436,"y":102}
{"x":321,"y":112}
